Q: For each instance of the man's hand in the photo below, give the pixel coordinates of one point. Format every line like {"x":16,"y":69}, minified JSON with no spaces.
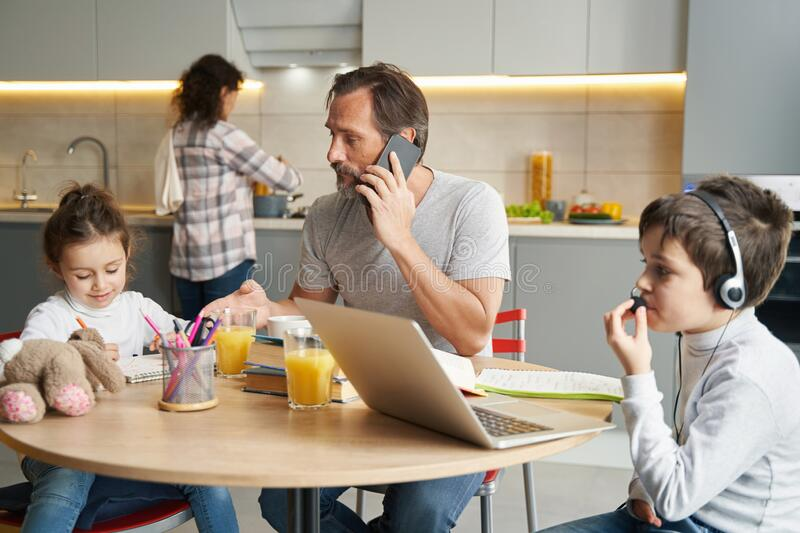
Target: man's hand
{"x":250,"y":294}
{"x":634,"y":352}
{"x":642,"y":510}
{"x":111,"y":351}
{"x":392,"y":203}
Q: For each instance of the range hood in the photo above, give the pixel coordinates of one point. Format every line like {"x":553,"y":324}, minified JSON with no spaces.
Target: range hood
{"x":311,"y":33}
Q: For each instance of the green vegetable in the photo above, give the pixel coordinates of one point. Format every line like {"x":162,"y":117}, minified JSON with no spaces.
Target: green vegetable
{"x":532,"y":209}
{"x":591,"y":216}
{"x":547,"y":217}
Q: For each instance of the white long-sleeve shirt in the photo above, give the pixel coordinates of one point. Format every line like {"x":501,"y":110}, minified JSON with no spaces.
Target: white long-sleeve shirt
{"x":737,"y":467}
{"x":120,"y":323}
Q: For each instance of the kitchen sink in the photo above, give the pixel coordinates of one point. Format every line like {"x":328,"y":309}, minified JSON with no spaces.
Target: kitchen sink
{"x":26,"y":209}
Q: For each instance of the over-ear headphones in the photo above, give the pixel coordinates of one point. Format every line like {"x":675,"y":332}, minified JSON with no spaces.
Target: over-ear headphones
{"x":729,"y":289}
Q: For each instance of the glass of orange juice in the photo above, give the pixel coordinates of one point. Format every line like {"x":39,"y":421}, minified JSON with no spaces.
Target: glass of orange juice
{"x":309,"y":368}
{"x":234,"y":337}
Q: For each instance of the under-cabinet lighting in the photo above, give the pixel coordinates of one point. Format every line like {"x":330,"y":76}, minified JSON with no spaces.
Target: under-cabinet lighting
{"x":151,"y":85}
{"x":538,"y":81}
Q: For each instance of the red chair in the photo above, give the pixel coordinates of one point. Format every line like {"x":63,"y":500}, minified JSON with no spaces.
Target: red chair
{"x":516,"y":347}
{"x":159,"y":517}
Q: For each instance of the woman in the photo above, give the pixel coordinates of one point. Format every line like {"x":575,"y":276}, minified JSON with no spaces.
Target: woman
{"x":213,"y":241}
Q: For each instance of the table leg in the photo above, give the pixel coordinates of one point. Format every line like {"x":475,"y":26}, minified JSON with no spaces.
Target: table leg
{"x":303,"y":510}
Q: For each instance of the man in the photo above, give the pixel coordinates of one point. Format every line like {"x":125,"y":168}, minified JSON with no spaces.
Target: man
{"x":430,"y":246}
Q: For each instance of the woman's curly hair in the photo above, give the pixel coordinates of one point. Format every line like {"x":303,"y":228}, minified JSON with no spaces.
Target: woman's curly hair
{"x":197,"y":98}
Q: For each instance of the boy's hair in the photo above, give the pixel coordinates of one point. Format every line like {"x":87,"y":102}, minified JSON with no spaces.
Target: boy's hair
{"x":397,"y":102}
{"x":761,"y":220}
{"x":85,"y":213}
{"x":197,"y":97}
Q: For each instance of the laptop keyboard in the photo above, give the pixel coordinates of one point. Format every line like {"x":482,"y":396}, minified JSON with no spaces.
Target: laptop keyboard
{"x":498,"y":425}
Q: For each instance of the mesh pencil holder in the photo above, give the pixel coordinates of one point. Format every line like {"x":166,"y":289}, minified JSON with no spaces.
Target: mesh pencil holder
{"x":188,"y":382}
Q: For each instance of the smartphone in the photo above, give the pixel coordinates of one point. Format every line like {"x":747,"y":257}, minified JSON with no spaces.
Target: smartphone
{"x":407,"y":152}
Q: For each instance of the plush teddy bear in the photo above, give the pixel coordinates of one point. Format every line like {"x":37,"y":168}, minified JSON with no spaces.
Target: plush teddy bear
{"x":62,"y":375}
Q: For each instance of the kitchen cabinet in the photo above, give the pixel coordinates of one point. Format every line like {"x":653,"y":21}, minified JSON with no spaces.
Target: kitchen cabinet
{"x":48,"y":40}
{"x":153,"y":39}
{"x":151,"y":274}
{"x":112,"y":39}
{"x":29,"y":281}
{"x":277,"y":262}
{"x":542,"y":37}
{"x":637,"y":36}
{"x":442,"y":38}
{"x":527,"y":37}
{"x":566,"y":285}
{"x":741,"y":99}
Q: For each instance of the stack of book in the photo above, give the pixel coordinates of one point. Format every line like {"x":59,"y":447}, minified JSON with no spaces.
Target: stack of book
{"x":265,"y":373}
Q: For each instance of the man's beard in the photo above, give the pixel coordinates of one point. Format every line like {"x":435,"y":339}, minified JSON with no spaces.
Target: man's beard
{"x":346,"y":190}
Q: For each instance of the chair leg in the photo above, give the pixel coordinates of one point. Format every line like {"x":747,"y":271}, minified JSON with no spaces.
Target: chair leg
{"x":530,"y":497}
{"x":486,"y":514}
{"x":360,"y":503}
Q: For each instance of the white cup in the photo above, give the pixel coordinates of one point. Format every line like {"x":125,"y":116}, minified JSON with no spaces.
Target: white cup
{"x":277,"y":325}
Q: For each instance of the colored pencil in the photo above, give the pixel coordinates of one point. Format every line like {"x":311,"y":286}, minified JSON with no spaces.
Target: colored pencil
{"x":212,"y":332}
{"x":195,"y":329}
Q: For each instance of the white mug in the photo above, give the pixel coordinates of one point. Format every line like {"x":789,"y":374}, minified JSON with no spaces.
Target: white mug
{"x":277,"y":325}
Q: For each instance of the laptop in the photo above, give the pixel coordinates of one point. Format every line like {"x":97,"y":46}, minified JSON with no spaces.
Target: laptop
{"x":391,"y":363}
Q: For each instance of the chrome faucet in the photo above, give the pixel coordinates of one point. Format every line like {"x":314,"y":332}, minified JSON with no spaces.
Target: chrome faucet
{"x":24,"y":196}
{"x":76,"y":142}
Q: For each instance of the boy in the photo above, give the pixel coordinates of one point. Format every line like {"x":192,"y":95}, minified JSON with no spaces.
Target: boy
{"x":734,"y":459}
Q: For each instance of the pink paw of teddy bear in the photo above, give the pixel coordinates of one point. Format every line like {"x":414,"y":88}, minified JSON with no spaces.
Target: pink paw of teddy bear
{"x":16,"y":406}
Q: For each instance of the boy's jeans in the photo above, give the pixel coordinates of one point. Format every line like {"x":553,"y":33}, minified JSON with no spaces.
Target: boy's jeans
{"x":59,"y":495}
{"x":430,"y":506}
{"x":621,"y":521}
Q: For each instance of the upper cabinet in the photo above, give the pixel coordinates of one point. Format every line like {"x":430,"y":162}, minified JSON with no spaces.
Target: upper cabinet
{"x":112,"y":39}
{"x":637,"y":36}
{"x":157,"y":40}
{"x":540,"y":36}
{"x":527,"y":37}
{"x":441,"y":38}
{"x":48,"y":40}
{"x":741,"y":112}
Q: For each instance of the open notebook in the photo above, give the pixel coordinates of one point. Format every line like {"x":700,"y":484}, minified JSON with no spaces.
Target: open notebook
{"x":550,"y":384}
{"x":143,"y":368}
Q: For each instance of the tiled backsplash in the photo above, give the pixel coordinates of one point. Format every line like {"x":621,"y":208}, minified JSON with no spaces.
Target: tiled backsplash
{"x":625,"y":141}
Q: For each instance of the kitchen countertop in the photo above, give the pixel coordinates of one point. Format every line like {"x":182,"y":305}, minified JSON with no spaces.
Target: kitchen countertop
{"x":144,"y":216}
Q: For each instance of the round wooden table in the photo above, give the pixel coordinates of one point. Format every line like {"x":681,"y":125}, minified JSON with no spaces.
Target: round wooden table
{"x":255,"y":440}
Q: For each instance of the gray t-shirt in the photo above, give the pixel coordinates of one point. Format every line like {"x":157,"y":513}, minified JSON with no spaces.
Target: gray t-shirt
{"x":460,"y":224}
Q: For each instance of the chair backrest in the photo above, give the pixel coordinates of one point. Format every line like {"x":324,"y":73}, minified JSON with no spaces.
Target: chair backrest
{"x":10,"y":335}
{"x":515,"y":345}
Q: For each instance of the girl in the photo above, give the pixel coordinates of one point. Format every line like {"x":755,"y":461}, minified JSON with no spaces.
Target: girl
{"x":213,"y":240}
{"x":87,"y":245}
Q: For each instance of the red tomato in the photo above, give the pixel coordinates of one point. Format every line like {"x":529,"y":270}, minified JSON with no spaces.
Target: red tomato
{"x":591,"y":209}
{"x":576,"y":209}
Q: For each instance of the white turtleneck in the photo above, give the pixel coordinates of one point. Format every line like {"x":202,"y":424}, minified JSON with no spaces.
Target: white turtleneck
{"x":738,"y":462}
{"x":119,"y":323}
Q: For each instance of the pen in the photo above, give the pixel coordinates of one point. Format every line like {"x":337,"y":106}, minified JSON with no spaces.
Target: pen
{"x":181,"y":336}
{"x":195,"y":329}
{"x":212,"y":332}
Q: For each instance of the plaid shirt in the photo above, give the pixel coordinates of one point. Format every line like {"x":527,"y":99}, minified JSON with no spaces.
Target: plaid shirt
{"x":213,"y":229}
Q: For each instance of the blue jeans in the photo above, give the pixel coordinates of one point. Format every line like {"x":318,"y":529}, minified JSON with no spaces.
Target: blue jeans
{"x":59,"y":495}
{"x":621,"y":521}
{"x":194,"y":295}
{"x":430,"y":506}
